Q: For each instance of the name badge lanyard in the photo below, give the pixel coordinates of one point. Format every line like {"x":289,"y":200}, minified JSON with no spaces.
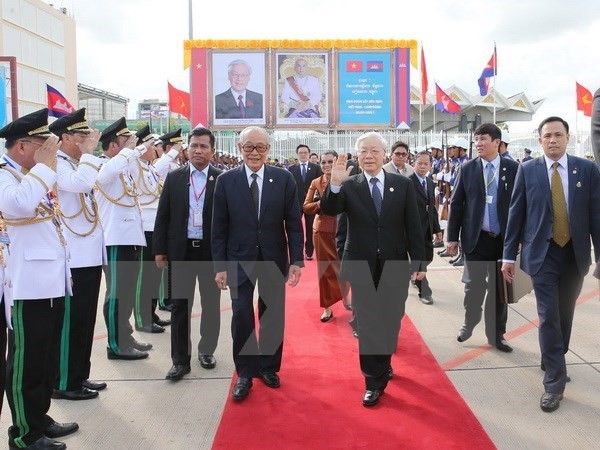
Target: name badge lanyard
{"x":488,"y":183}
{"x":197,"y":220}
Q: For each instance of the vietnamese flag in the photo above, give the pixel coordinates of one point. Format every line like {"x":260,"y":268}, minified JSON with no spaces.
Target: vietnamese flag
{"x":584,"y":100}
{"x":424,"y":80}
{"x":179,"y":101}
{"x":354,"y":66}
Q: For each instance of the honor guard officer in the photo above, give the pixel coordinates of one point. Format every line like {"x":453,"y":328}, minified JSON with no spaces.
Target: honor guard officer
{"x":121,"y":219}
{"x":172,"y":143}
{"x":77,"y":170}
{"x":150,"y":276}
{"x":39,"y":270}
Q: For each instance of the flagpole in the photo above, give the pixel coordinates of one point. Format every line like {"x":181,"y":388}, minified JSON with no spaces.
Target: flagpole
{"x":420,"y":117}
{"x":191,"y":36}
{"x":434,"y":108}
{"x":494,"y":80}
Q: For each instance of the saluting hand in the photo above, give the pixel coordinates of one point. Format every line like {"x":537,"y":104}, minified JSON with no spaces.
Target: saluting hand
{"x":46,"y":153}
{"x":90,"y":143}
{"x":339,"y":171}
{"x":131,"y":141}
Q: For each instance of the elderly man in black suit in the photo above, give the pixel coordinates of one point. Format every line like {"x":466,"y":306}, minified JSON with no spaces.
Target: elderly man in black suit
{"x":383,"y":231}
{"x":304,"y":172}
{"x":182,"y":235}
{"x":256,"y":240}
{"x":478,"y":214}
{"x":237,"y":102}
{"x":425,"y":189}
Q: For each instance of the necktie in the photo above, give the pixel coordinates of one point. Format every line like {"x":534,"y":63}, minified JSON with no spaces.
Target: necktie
{"x":303,"y":172}
{"x":561,"y":233}
{"x":254,"y":191}
{"x":492,"y":191}
{"x":425,"y":187}
{"x":242,"y":106}
{"x":376,"y":193}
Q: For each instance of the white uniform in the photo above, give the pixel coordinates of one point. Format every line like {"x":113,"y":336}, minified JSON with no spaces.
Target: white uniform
{"x":38,"y":264}
{"x":166,"y":163}
{"x":149,"y":189}
{"x":308,"y":85}
{"x":5,"y":289}
{"x":116,"y":195}
{"x":83,"y":230}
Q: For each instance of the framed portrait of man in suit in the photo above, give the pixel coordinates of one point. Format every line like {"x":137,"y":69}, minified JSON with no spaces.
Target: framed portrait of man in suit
{"x":238,"y":88}
{"x":302,"y":88}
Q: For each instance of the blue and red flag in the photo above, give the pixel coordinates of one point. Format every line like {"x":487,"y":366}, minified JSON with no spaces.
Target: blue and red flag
{"x":58,"y":105}
{"x":444,"y":102}
{"x":374,"y":66}
{"x":490,"y":70}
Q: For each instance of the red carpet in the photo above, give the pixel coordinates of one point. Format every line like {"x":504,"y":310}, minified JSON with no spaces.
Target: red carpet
{"x":319,"y":402}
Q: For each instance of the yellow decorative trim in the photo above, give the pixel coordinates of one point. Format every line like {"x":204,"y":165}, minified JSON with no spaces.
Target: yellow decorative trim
{"x":123,"y":131}
{"x":78,"y":125}
{"x":41,"y":130}
{"x":40,"y":180}
{"x":306,"y":44}
{"x":89,"y":164}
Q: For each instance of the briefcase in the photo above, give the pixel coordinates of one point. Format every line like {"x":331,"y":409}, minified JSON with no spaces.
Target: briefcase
{"x":519,"y":288}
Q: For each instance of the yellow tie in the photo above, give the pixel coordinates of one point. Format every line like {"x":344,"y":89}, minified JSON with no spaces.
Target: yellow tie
{"x":561,"y":233}
{"x":24,"y":171}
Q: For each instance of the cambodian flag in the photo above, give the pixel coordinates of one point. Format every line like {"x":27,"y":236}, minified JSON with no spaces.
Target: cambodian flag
{"x":374,"y":66}
{"x":58,"y":105}
{"x":490,"y":70}
{"x":444,"y":102}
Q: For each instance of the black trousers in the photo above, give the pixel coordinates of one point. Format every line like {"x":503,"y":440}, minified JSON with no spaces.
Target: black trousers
{"x":197,"y":266}
{"x":2,"y":352}
{"x":423,"y":285}
{"x":253,"y":355}
{"x":148,"y":286}
{"x":120,"y":275}
{"x":77,"y":334}
{"x":481,"y":284}
{"x":557,"y":286}
{"x":33,"y":347}
{"x":308,"y":232}
{"x":379,"y":302}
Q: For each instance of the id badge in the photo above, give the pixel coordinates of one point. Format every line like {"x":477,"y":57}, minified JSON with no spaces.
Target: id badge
{"x":4,"y":239}
{"x":489,"y":199}
{"x":197,"y":218}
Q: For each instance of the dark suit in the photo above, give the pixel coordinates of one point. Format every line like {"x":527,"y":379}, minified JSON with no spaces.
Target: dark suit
{"x":557,"y":272}
{"x":430,"y":224}
{"x":256,"y":250}
{"x":482,"y":251}
{"x":171,"y":239}
{"x":596,"y":127}
{"x":376,"y":257}
{"x":312,"y":171}
{"x":227,"y":106}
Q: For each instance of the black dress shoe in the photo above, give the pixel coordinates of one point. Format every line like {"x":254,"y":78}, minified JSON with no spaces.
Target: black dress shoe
{"x":79,"y":394}
{"x":460,"y":262}
{"x":271,"y":379}
{"x":141,"y":346}
{"x":463,"y":334}
{"x":443,"y":253}
{"x":94,"y":385}
{"x":163,"y":322}
{"x":151,"y":328}
{"x":550,"y":401}
{"x":503,"y":345}
{"x":355,"y":333}
{"x":390,"y":373}
{"x":168,"y":307}
{"x":438,"y":244}
{"x":177,"y":372}
{"x":241,"y":389}
{"x":43,"y":443}
{"x":207,"y":361}
{"x":61,"y":429}
{"x":126,"y":353}
{"x":371,"y":398}
{"x":327,"y":318}
{"x":426,"y":300}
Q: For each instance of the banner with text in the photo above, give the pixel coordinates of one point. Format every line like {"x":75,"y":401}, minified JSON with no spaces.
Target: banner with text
{"x":364,"y":88}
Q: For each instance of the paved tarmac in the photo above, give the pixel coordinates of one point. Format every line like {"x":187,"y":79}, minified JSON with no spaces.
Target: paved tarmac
{"x":141,"y":410}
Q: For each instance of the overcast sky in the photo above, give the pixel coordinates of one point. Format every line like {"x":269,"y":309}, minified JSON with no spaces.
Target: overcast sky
{"x":132,"y":47}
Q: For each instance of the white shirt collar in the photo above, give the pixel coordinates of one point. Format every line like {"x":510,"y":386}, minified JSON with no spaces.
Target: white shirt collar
{"x":237,"y":94}
{"x":380,"y":176}
{"x":495,"y":162}
{"x":193,"y":169}
{"x":11,"y":162}
{"x":563,"y":161}
{"x":260,"y":172}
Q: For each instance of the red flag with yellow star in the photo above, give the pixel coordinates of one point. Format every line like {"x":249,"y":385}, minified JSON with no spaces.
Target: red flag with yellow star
{"x":584,"y":100}
{"x":179,"y":101}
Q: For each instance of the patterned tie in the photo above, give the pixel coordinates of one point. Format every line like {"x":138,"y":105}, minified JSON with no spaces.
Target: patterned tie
{"x":376,"y":195}
{"x":242,"y":106}
{"x":254,"y":191}
{"x":425,"y":187}
{"x":303,"y":172}
{"x":561,"y":233}
{"x":492,"y":191}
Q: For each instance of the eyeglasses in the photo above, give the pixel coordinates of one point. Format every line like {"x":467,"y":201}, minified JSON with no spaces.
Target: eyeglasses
{"x":240,"y":75}
{"x":372,"y":151}
{"x":327,"y":162}
{"x":400,"y":154}
{"x":260,"y":148}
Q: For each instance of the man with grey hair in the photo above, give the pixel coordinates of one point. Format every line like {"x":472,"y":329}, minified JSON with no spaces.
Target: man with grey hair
{"x":237,"y":102}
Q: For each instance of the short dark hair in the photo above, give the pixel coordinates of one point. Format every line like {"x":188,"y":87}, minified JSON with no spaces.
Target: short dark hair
{"x":107,"y":142}
{"x":349,"y":155}
{"x":553,"y":119}
{"x":424,"y":152}
{"x":203,"y":132}
{"x":300,"y":146}
{"x":400,"y":144}
{"x":10,"y":142}
{"x":490,"y":129}
{"x":313,"y":154}
{"x":330,"y":152}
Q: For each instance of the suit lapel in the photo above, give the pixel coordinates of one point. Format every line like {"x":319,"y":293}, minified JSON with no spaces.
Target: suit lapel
{"x":388,"y":193}
{"x":573,"y":174}
{"x":365,"y":194}
{"x":267,"y":189}
{"x":243,"y":189}
{"x":542,"y":176}
{"x":501,"y":180}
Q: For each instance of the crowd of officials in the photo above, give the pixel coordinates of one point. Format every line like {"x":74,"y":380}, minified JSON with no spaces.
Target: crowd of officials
{"x":156,"y":215}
